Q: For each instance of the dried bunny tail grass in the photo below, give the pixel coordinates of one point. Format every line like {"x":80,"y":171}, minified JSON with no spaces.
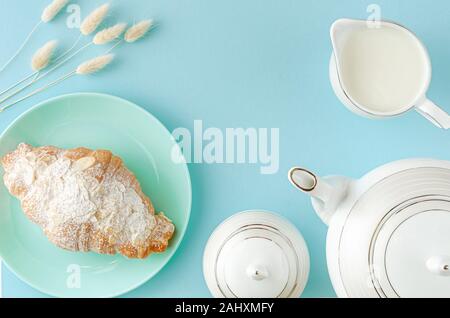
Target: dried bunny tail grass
{"x":138,"y":30}
{"x":49,"y":13}
{"x":52,"y":10}
{"x":42,"y":57}
{"x":109,"y":34}
{"x":93,"y":20}
{"x":94,"y":65}
{"x":20,"y":49}
{"x":88,"y":67}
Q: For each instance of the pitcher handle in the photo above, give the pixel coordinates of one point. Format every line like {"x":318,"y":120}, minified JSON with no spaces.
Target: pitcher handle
{"x":434,"y":113}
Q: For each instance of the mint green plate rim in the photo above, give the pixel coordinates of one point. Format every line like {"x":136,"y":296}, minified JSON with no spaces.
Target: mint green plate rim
{"x":154,"y":120}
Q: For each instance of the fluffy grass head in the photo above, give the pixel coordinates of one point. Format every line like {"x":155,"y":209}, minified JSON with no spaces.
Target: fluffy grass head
{"x":93,"y":20}
{"x":109,"y":34}
{"x":41,"y":59}
{"x":138,"y":30}
{"x":52,"y":10}
{"x":95,"y":65}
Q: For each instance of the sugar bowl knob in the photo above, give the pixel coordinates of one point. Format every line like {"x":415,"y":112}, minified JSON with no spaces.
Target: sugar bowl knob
{"x":257,"y":273}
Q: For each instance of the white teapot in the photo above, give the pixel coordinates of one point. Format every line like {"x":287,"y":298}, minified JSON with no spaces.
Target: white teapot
{"x":389,"y":232}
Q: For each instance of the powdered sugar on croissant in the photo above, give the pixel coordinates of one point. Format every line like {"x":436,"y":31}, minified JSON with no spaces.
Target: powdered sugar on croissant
{"x":86,"y":200}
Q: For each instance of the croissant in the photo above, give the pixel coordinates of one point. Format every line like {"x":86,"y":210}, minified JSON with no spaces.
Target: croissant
{"x":86,"y":201}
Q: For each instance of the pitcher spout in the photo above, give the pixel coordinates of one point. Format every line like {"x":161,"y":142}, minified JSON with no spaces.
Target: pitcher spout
{"x":327,"y":193}
{"x":341,"y":30}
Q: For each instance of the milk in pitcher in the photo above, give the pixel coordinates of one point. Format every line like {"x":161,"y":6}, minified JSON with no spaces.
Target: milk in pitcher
{"x":383,"y":69}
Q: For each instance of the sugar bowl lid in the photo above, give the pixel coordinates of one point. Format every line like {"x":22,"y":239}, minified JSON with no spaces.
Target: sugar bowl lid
{"x":256,"y":254}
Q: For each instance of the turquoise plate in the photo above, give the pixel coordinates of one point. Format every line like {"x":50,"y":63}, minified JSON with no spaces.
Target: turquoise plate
{"x":99,"y":122}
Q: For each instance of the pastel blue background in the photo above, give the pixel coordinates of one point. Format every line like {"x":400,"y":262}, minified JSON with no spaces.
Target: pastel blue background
{"x":245,"y":63}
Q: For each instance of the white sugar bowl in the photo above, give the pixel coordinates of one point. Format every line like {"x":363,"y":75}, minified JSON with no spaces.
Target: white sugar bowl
{"x":256,"y":254}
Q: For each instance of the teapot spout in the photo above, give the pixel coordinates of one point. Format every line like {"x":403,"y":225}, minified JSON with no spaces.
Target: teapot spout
{"x":327,"y":193}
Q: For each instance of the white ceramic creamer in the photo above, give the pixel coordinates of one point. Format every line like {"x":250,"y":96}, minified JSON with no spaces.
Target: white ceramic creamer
{"x":382,"y":71}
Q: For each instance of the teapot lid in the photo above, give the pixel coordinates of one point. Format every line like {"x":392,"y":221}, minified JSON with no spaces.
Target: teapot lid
{"x":256,"y":255}
{"x":414,"y":251}
{"x":394,"y":240}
